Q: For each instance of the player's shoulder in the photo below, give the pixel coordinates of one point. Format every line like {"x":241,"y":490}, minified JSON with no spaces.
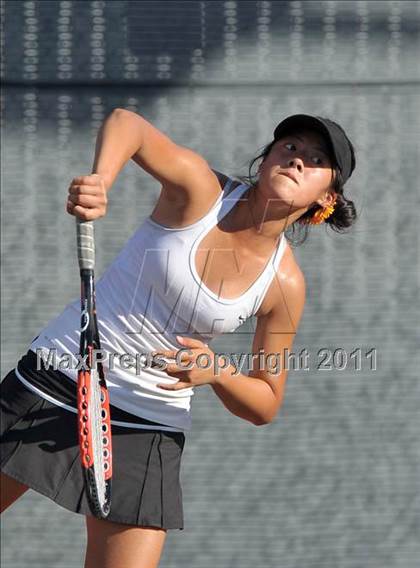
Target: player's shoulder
{"x":288,"y":287}
{"x":290,"y":270}
{"x":180,"y":207}
{"x":227,"y":183}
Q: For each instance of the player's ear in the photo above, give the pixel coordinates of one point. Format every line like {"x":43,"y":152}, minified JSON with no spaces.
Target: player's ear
{"x":327,"y":199}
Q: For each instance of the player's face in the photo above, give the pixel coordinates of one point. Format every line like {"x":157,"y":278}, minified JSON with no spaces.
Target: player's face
{"x":303,"y":156}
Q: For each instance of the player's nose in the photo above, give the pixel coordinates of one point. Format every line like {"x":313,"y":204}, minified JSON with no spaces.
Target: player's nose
{"x":296,"y":163}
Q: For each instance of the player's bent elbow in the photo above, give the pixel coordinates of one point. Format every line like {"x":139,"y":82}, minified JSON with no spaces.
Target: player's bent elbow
{"x":120,"y":110}
{"x":267,"y":418}
{"x":262,"y":420}
{"x":124,"y":112}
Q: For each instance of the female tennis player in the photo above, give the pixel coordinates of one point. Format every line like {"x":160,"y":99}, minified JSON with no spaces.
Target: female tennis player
{"x":212,"y":254}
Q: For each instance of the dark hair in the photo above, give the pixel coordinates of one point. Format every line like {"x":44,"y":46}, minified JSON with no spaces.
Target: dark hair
{"x":343,"y":216}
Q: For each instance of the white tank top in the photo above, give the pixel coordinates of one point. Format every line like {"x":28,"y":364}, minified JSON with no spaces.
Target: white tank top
{"x":149,"y":294}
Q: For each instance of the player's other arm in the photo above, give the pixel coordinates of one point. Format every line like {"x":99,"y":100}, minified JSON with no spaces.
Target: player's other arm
{"x":257,"y":397}
{"x":275,"y":333}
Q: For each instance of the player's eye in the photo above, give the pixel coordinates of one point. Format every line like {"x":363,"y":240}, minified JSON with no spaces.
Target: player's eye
{"x":317,"y":160}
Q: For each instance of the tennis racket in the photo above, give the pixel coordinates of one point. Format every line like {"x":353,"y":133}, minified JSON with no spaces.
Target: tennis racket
{"x":94,"y":421}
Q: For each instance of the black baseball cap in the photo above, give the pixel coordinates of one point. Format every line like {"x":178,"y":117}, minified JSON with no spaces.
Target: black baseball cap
{"x":340,"y":146}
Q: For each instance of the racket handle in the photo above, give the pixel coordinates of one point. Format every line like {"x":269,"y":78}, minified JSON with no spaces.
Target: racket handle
{"x":85,"y":244}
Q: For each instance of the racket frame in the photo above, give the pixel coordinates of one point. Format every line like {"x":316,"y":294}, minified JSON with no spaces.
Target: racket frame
{"x":92,"y":370}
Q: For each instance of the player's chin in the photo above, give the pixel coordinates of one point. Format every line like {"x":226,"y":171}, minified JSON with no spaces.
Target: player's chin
{"x":283,"y":191}
{"x":282,"y":181}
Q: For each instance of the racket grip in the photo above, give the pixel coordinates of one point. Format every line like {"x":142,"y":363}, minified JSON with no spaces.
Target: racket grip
{"x":85,"y":244}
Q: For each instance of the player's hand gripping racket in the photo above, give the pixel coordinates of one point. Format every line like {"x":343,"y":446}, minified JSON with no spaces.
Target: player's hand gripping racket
{"x":94,"y":423}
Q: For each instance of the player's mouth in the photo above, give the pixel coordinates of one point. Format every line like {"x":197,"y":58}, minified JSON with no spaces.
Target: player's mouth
{"x":289,"y":175}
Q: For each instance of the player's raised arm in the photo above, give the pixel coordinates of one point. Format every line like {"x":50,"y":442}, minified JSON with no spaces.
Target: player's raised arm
{"x":127,"y":135}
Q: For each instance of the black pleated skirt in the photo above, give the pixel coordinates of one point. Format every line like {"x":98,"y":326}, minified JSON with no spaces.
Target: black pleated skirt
{"x":39,"y":447}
